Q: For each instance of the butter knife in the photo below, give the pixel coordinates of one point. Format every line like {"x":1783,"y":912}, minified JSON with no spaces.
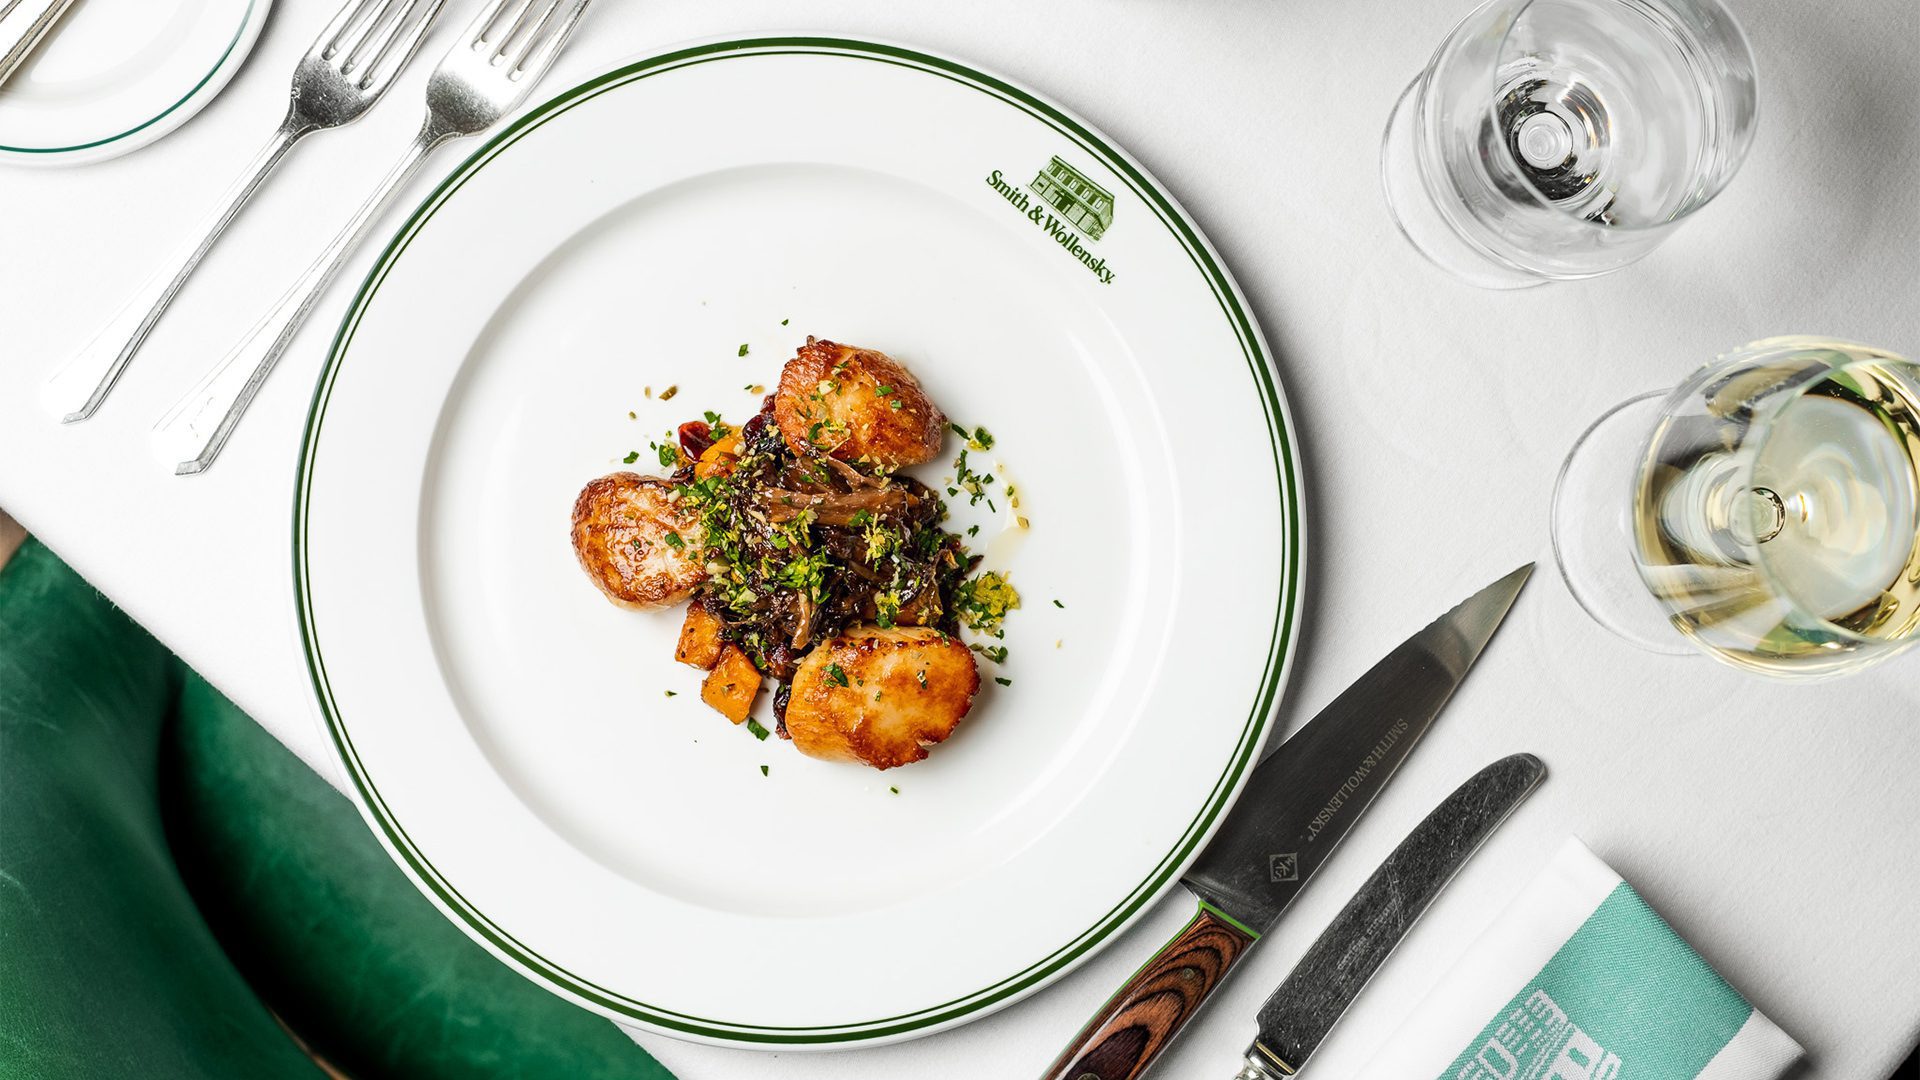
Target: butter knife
{"x":1314,"y":996}
{"x":23,"y":25}
{"x":1299,"y":803}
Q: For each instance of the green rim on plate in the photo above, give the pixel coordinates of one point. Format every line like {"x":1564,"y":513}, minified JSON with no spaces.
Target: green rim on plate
{"x":1279,"y":644}
{"x":246,"y":20}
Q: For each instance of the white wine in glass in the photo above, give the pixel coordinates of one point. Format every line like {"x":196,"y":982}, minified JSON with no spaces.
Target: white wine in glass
{"x":1775,"y":513}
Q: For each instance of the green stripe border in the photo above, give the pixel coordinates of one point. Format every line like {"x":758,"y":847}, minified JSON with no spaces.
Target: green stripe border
{"x":246,"y":20}
{"x":1280,"y":642}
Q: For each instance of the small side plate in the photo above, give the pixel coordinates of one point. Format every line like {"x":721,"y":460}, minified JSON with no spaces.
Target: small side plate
{"x":115,"y":75}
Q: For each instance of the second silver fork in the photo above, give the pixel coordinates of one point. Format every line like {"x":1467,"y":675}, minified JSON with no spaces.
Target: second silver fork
{"x":349,"y":67}
{"x":488,"y":72}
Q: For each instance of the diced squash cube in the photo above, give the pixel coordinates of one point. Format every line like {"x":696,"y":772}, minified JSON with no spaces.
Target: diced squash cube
{"x":731,"y":685}
{"x":718,"y":458}
{"x":699,"y":638}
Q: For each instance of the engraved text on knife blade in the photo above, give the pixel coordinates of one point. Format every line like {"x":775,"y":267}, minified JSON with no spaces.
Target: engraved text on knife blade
{"x":1359,"y":776}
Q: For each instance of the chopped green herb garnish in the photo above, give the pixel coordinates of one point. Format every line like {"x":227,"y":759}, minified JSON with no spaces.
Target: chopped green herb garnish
{"x":783,"y":322}
{"x":743,"y":350}
{"x":757,"y":731}
{"x":1003,"y":681}
{"x":983,"y":602}
{"x":835,"y":676}
{"x":631,"y":415}
{"x":669,"y":456}
{"x":1058,"y":604}
{"x":763,"y":770}
{"x":895,"y":790}
{"x":667,"y":394}
{"x":674,"y":541}
{"x":632,"y":456}
{"x":672,"y":693}
{"x":995,"y":653}
{"x":883,"y":391}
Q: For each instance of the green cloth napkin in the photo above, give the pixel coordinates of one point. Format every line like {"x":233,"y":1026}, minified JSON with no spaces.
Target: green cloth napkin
{"x":169,"y":873}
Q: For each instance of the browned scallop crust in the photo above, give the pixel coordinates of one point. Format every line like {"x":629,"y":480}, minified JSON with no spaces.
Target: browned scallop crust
{"x":830,"y":401}
{"x":905,"y":690}
{"x":621,"y":524}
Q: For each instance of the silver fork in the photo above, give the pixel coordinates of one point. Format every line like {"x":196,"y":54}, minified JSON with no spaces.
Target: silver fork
{"x":351,"y":64}
{"x":486,"y":74}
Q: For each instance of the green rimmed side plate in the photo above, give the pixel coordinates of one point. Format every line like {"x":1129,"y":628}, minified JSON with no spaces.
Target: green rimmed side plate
{"x":113,"y":77}
{"x":534,"y":758}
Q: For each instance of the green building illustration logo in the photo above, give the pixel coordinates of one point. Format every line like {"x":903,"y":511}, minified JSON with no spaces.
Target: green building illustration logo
{"x":1081,"y":201}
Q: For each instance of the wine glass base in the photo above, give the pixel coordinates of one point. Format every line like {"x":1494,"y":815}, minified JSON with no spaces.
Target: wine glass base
{"x":1593,"y":528}
{"x":1412,"y":208}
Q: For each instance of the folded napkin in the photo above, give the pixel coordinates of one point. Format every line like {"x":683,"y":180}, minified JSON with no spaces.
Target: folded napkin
{"x":1578,"y":979}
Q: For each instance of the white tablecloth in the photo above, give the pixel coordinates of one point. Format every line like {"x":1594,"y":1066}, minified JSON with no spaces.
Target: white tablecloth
{"x":1778,"y":827}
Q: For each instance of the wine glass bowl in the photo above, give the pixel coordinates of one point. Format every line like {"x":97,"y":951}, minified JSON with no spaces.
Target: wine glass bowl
{"x":1769,"y":505}
{"x":1558,"y":139}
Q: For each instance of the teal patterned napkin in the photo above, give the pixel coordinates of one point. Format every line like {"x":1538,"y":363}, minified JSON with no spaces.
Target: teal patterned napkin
{"x":1580,"y":980}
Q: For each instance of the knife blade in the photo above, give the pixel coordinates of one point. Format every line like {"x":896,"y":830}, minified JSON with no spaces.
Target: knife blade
{"x":1297,"y":806}
{"x":23,"y":25}
{"x":1313,"y":997}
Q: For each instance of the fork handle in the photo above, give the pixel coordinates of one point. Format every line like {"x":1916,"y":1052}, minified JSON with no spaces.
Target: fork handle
{"x":193,"y":432}
{"x":76,"y":390}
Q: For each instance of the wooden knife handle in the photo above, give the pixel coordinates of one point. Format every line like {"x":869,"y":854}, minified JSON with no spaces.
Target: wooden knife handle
{"x":1136,"y":1024}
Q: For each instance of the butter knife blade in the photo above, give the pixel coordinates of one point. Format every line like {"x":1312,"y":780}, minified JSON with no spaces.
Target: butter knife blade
{"x":1338,"y":966}
{"x":23,"y":25}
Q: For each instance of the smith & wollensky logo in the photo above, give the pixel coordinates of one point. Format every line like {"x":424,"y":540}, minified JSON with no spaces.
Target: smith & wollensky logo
{"x":1068,"y":206}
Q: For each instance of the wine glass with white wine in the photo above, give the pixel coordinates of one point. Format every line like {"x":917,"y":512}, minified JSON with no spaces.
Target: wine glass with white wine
{"x":1767,"y":509}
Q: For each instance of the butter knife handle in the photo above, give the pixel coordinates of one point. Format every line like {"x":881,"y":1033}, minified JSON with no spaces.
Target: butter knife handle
{"x":1138,"y":1022}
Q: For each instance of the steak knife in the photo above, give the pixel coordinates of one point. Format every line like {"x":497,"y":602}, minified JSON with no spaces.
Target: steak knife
{"x":1312,"y":998}
{"x":1297,"y":806}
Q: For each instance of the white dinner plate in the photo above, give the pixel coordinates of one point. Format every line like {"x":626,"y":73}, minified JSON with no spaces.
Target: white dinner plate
{"x":114,"y":75}
{"x":533,"y":756}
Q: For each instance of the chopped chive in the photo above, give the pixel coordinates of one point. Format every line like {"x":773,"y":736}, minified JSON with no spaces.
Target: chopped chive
{"x":895,"y":790}
{"x":743,"y":350}
{"x":835,"y":676}
{"x":667,"y":394}
{"x":754,"y":727}
{"x":1058,"y":604}
{"x":674,"y":541}
{"x":672,"y":693}
{"x":763,"y":770}
{"x":632,"y":456}
{"x":1003,"y":681}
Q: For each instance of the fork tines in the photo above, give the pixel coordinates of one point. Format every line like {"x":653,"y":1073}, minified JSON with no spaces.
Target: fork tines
{"x":366,"y":33}
{"x":524,"y":34}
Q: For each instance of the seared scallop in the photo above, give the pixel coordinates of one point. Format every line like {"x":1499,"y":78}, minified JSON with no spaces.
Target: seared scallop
{"x":636,"y":542}
{"x":857,"y":405}
{"x":880,"y":697}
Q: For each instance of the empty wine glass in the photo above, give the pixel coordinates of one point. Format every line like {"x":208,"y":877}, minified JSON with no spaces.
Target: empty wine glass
{"x":1767,"y":508}
{"x":1567,"y":138}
